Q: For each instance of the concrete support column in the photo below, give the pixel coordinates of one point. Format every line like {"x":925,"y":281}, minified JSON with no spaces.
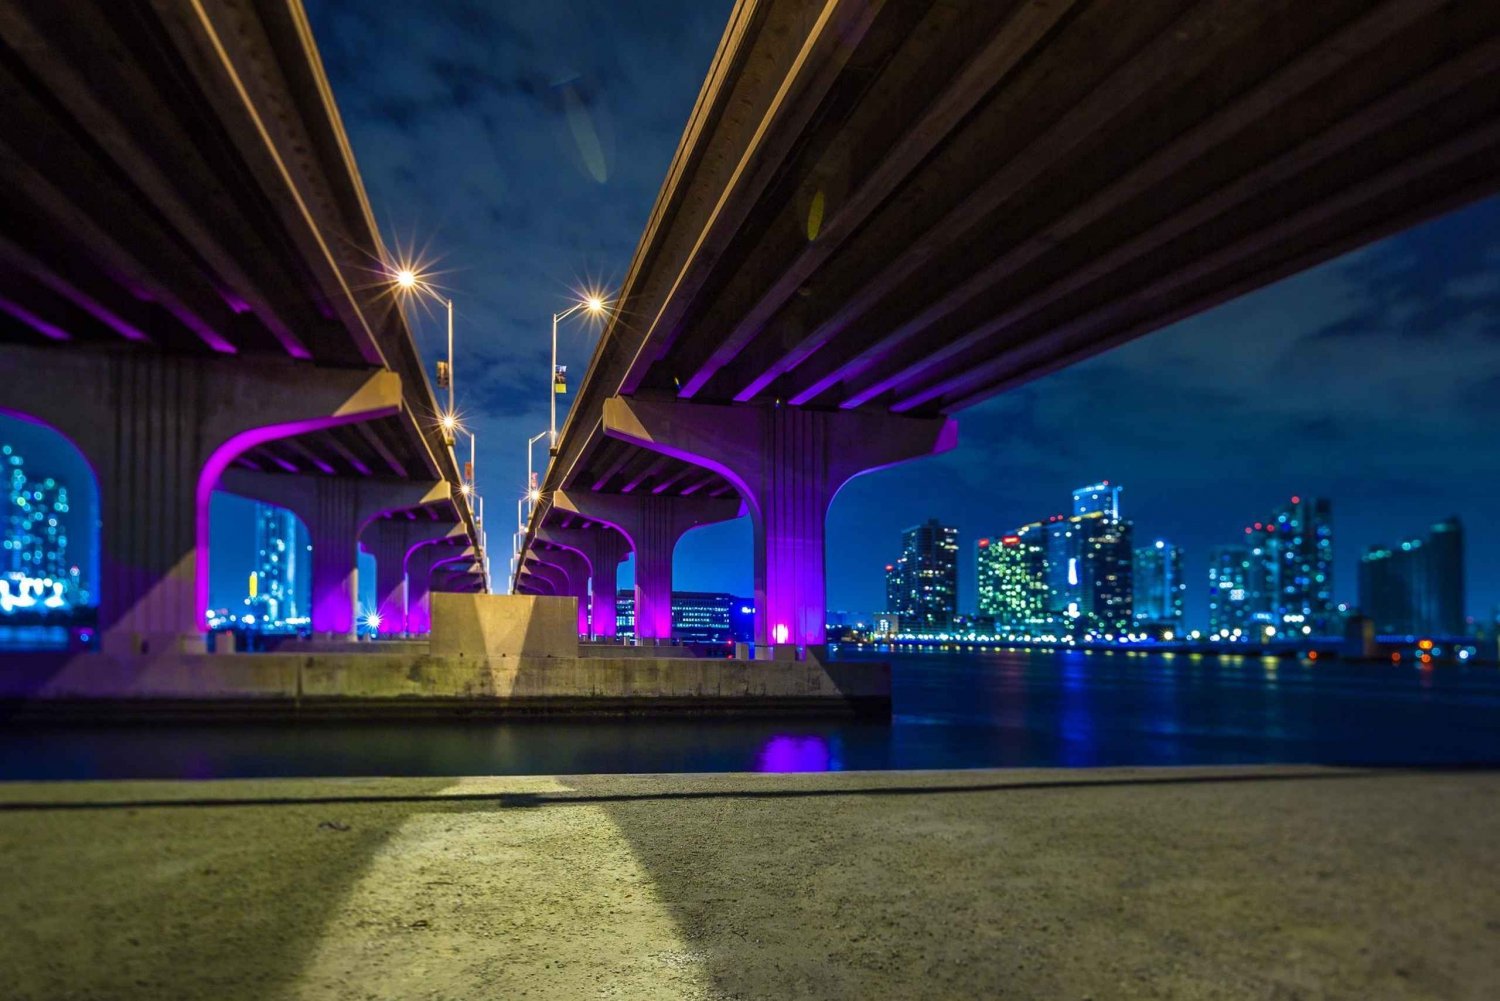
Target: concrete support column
{"x":386,"y":541}
{"x":652,"y":524}
{"x":604,"y":549}
{"x":158,"y":431}
{"x":788,"y":464}
{"x":333,"y":528}
{"x":610,"y":551}
{"x":148,"y":501}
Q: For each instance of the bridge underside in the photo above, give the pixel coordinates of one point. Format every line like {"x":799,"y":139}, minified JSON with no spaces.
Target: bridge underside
{"x":986,"y":192}
{"x":191,"y":286}
{"x":903,"y":209}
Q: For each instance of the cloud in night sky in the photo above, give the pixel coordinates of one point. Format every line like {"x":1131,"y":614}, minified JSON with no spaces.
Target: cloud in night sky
{"x":524,"y":144}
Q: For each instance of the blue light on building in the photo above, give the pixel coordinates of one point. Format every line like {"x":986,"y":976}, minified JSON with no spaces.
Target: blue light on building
{"x":37,"y":570}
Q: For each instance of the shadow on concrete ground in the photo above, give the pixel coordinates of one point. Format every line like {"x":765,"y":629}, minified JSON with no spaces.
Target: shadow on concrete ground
{"x":210,"y":902}
{"x":1335,"y":885}
{"x":1203,"y":883}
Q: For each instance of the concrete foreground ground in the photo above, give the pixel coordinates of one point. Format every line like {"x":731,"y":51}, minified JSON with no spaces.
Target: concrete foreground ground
{"x":1178,"y":883}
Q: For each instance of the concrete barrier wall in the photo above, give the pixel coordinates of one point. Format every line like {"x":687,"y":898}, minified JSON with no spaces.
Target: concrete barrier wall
{"x":504,"y":625}
{"x":504,"y":681}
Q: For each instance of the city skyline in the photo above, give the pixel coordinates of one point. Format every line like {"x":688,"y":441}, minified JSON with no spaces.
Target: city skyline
{"x":41,"y":559}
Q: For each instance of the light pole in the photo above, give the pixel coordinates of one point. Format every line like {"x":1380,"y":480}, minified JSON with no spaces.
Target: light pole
{"x":530,"y":467}
{"x":595,"y":305}
{"x":410,"y":281}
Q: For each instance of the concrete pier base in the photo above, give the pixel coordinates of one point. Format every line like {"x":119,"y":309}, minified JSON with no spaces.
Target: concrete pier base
{"x":1248,"y":883}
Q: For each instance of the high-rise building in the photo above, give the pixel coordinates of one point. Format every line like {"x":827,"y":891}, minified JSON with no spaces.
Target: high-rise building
{"x":1417,"y":586}
{"x":1097,"y":498}
{"x":1159,"y":586}
{"x":1445,"y":576}
{"x":1289,"y":576}
{"x":36,"y":520}
{"x":1064,"y":570}
{"x":1304,"y":566}
{"x":274,"y":582}
{"x":1069,"y":575}
{"x":1108,"y":598}
{"x":922,"y":585}
{"x":1230,"y":597}
{"x":1012,"y":580}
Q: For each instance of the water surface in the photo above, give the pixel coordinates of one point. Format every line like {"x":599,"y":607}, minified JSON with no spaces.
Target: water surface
{"x":950,"y":710}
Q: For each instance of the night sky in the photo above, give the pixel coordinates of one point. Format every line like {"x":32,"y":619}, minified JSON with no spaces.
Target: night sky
{"x":523,"y":143}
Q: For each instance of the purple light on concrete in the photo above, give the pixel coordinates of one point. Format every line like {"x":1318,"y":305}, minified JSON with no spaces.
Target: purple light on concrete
{"x":220,"y":460}
{"x":33,"y":321}
{"x":88,"y":305}
{"x":788,"y":465}
{"x":820,"y":387}
{"x":787,"y":753}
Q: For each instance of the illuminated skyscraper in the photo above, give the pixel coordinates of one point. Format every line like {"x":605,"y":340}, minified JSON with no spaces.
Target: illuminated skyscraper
{"x":273,"y":585}
{"x":1229,"y":593}
{"x":1097,"y":498}
{"x":1289,"y":576}
{"x":1107,"y":594}
{"x":1159,"y":585}
{"x":1416,"y":587}
{"x":922,"y":585}
{"x":1304,"y":572}
{"x":37,"y":515}
{"x":1069,"y":575}
{"x":1012,"y":580}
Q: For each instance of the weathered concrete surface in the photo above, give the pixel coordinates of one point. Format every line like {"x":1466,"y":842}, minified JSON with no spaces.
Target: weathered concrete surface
{"x":504,"y":625}
{"x":369,"y":683}
{"x":1233,"y":883}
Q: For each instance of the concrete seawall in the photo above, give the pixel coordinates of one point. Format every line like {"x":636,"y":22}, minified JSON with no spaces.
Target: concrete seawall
{"x":418,"y":685}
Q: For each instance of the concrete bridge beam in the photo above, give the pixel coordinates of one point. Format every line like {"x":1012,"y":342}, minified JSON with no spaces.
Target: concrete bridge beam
{"x":788,"y":463}
{"x":652,"y":524}
{"x":158,"y":431}
{"x":532,"y":584}
{"x":579,"y":573}
{"x":553,"y":580}
{"x":604,"y":549}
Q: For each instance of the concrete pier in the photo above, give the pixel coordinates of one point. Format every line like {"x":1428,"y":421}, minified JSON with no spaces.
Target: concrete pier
{"x":1111,"y":884}
{"x":487,"y":655}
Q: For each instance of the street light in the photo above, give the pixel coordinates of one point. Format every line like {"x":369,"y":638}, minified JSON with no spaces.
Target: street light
{"x":409,"y":280}
{"x":595,"y":305}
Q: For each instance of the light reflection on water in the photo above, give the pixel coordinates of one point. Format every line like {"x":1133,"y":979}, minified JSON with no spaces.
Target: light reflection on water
{"x":957,"y":710}
{"x":788,"y":753}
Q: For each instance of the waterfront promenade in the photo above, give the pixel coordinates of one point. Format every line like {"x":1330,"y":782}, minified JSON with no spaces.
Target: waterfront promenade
{"x":1123,"y":883}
